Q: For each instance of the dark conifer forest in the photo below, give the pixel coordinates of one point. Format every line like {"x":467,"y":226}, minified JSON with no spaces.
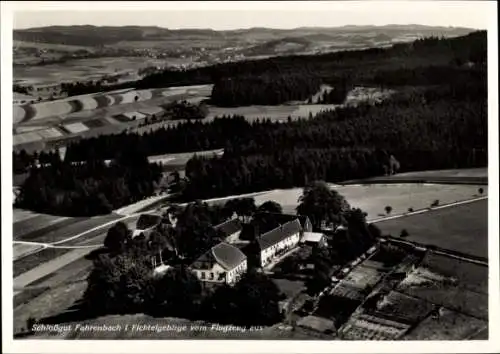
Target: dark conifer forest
{"x":436,"y":120}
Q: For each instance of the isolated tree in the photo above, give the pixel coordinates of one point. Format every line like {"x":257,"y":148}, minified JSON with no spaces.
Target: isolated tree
{"x":321,"y":204}
{"x":435,"y":203}
{"x":388,"y":209}
{"x":404,"y":233}
{"x":481,"y":191}
{"x":270,"y":207}
{"x":117,"y":238}
{"x":410,"y":210}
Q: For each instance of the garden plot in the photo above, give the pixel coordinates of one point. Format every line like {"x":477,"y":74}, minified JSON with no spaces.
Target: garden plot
{"x":442,"y":290}
{"x":399,"y":306}
{"x":369,"y":327}
{"x":450,"y":325}
{"x":362,"y":278}
{"x":372,"y":199}
{"x":347,"y":291}
{"x":76,"y":128}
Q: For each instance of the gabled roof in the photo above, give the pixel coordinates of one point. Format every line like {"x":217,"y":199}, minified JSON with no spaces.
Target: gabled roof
{"x":283,"y":218}
{"x":224,"y":254}
{"x":229,"y":227}
{"x":279,"y":234}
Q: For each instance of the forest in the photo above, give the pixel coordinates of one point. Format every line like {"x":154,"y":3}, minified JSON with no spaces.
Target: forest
{"x":375,"y":66}
{"x":436,"y":120}
{"x":88,"y":188}
{"x":263,"y":90}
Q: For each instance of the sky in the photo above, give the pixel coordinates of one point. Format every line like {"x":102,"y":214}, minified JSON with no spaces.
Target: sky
{"x":233,"y":15}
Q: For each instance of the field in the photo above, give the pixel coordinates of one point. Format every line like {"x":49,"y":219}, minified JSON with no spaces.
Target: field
{"x":372,"y":199}
{"x":182,"y":158}
{"x":106,"y":113}
{"x":463,"y":228}
{"x":81,"y":69}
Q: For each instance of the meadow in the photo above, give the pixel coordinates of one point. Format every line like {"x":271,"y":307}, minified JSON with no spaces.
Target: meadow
{"x":463,"y":228}
{"x":373,"y":199}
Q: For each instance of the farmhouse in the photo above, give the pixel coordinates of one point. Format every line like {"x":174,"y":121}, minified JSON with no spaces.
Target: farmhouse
{"x":146,"y":224}
{"x":223,"y":263}
{"x":276,"y":242}
{"x":230,"y":229}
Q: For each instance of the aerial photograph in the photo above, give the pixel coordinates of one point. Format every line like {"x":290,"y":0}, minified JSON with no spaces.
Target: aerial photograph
{"x":250,"y":175}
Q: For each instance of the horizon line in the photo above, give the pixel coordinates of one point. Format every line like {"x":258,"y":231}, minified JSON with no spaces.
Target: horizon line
{"x":251,"y":28}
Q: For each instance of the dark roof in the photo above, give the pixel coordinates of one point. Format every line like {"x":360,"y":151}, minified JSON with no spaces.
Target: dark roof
{"x":224,"y":254}
{"x":280,"y":233}
{"x":146,"y":221}
{"x":229,"y":227}
{"x":283,"y":218}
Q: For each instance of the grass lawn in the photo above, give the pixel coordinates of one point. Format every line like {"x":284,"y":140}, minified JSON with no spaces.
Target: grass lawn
{"x":373,"y":199}
{"x":451,"y":325}
{"x":462,"y":228}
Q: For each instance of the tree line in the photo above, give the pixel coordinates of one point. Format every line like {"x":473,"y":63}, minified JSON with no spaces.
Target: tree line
{"x":264,"y":90}
{"x":88,"y":188}
{"x":435,"y":127}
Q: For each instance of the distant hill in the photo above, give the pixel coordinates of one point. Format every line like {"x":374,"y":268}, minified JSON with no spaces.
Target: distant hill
{"x":93,"y":36}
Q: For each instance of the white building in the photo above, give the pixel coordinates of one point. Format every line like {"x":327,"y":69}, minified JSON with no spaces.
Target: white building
{"x":279,"y":240}
{"x":221,"y":264}
{"x":314,"y":239}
